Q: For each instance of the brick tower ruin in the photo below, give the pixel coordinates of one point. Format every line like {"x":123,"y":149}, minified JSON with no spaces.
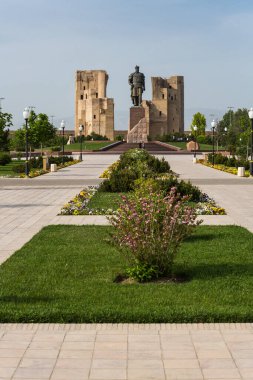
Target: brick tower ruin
{"x":93,"y":109}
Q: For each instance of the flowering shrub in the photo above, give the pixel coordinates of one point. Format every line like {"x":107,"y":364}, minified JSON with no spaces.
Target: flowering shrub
{"x":150,"y":229}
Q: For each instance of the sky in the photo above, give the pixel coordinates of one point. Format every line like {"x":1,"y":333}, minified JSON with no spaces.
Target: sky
{"x":44,"y":42}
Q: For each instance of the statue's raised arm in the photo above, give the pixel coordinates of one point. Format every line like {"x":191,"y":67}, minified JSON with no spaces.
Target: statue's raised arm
{"x":137,"y":83}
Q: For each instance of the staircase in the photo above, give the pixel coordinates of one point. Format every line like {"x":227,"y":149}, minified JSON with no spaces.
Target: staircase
{"x":151,"y":147}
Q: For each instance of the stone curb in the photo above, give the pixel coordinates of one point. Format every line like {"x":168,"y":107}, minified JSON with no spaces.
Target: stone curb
{"x":125,"y":326}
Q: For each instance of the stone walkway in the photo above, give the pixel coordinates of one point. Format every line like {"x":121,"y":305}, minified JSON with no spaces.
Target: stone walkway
{"x":126,"y":351}
{"x":122,"y":351}
{"x":27,"y":205}
{"x":233,"y":193}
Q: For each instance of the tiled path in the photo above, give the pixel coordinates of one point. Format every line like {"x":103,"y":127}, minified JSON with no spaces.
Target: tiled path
{"x":126,"y":352}
{"x":233,"y":193}
{"x":118,"y":352}
{"x":27,"y":205}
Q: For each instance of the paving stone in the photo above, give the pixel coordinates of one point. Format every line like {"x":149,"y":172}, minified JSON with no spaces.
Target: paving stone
{"x":146,"y":374}
{"x":224,"y":373}
{"x":108,"y":374}
{"x":182,"y":374}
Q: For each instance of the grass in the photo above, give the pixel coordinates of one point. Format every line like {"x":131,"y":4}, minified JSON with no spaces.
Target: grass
{"x":7,"y":169}
{"x":105,"y":200}
{"x":87,"y":145}
{"x":65,"y":274}
{"x":182,"y":145}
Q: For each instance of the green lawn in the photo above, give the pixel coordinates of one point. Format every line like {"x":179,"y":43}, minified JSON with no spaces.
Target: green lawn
{"x":7,"y":169}
{"x":87,"y":145}
{"x":104,"y":200}
{"x":65,"y":274}
{"x":182,"y":145}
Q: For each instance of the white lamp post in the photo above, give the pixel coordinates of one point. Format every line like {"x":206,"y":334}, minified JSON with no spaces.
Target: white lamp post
{"x":62,"y":127}
{"x":26,"y":114}
{"x":195,"y":128}
{"x":213,"y":125}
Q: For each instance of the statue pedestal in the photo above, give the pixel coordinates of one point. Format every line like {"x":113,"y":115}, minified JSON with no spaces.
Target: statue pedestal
{"x":136,"y":114}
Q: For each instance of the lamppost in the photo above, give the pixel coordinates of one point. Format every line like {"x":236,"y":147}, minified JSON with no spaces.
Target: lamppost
{"x":225,"y":130}
{"x":213,"y":125}
{"x":195,"y":128}
{"x":26,"y":114}
{"x":81,"y":128}
{"x":251,"y":150}
{"x":62,"y":127}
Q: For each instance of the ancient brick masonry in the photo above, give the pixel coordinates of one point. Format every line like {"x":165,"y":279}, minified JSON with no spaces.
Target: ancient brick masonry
{"x":93,"y":109}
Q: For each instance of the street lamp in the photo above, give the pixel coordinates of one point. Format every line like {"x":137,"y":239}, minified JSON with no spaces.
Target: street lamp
{"x":195,"y":128}
{"x":225,"y":130}
{"x":62,"y":127}
{"x":213,"y":125}
{"x":81,"y":128}
{"x":251,"y":151}
{"x":26,"y":114}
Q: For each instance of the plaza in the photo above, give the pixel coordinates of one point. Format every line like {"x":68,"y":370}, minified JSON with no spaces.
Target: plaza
{"x":118,"y":351}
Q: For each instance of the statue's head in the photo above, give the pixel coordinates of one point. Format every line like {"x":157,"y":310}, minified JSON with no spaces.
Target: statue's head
{"x":137,"y":68}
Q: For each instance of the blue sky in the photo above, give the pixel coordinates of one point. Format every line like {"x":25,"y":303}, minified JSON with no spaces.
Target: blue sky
{"x":43,"y":43}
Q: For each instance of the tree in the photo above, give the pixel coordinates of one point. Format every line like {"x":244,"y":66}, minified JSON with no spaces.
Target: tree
{"x":237,"y":125}
{"x":5,"y":122}
{"x":40,"y":132}
{"x":200,"y":121}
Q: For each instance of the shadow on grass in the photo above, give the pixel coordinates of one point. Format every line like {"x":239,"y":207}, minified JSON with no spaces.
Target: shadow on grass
{"x":26,"y":299}
{"x":209,"y":271}
{"x":204,"y":237}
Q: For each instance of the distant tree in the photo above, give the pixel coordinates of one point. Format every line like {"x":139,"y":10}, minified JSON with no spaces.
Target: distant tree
{"x":5,"y":124}
{"x":238,"y":127}
{"x":200,"y":121}
{"x":41,"y":130}
{"x":17,"y":141}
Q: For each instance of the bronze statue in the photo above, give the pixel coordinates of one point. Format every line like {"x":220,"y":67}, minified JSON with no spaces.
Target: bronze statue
{"x":137,"y":83}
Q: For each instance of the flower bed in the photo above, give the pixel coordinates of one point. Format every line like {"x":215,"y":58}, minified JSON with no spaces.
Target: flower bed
{"x":224,"y":168}
{"x":37,"y":172}
{"x":79,"y":205}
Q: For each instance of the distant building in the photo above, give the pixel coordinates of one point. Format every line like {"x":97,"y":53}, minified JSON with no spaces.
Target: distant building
{"x":93,"y":109}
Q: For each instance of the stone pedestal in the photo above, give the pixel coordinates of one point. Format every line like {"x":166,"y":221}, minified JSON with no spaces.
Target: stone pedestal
{"x":45,"y":163}
{"x":192,"y":145}
{"x":136,"y":114}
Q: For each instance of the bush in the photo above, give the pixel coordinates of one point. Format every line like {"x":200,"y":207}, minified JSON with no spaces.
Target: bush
{"x":58,"y":160}
{"x":232,"y":162}
{"x":149,"y":230}
{"x":5,"y":159}
{"x":133,"y":164}
{"x":204,"y":139}
{"x":165,"y":184}
{"x":120,"y":181}
{"x":19,"y":168}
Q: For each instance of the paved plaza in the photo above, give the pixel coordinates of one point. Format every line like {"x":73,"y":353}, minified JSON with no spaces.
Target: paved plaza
{"x":122,"y":351}
{"x":126,"y":351}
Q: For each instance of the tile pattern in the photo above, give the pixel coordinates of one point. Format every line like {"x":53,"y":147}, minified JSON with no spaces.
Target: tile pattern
{"x":126,"y":351}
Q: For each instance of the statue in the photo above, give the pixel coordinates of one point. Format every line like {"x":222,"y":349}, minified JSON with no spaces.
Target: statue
{"x":137,"y":83}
